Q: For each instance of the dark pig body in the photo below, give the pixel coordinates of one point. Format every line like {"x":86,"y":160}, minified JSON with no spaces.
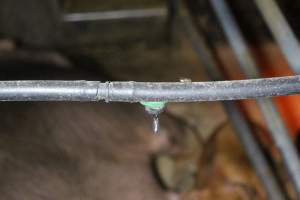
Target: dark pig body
{"x":78,"y":151}
{"x":75,"y":151}
{"x":32,"y":23}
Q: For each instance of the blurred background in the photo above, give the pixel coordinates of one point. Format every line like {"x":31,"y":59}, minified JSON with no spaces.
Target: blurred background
{"x":208,"y":150}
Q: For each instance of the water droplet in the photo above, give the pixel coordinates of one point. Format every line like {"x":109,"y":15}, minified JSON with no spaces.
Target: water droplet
{"x":155,"y":124}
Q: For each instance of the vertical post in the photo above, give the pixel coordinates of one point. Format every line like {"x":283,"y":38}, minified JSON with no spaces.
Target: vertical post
{"x":243,"y":131}
{"x":172,"y":6}
{"x":276,"y":127}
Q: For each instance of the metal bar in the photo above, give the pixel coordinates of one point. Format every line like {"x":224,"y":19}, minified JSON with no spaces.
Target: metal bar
{"x":172,"y":7}
{"x":275,"y":125}
{"x":115,"y":15}
{"x":252,"y":148}
{"x":264,"y":172}
{"x":281,"y":31}
{"x":147,"y":91}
